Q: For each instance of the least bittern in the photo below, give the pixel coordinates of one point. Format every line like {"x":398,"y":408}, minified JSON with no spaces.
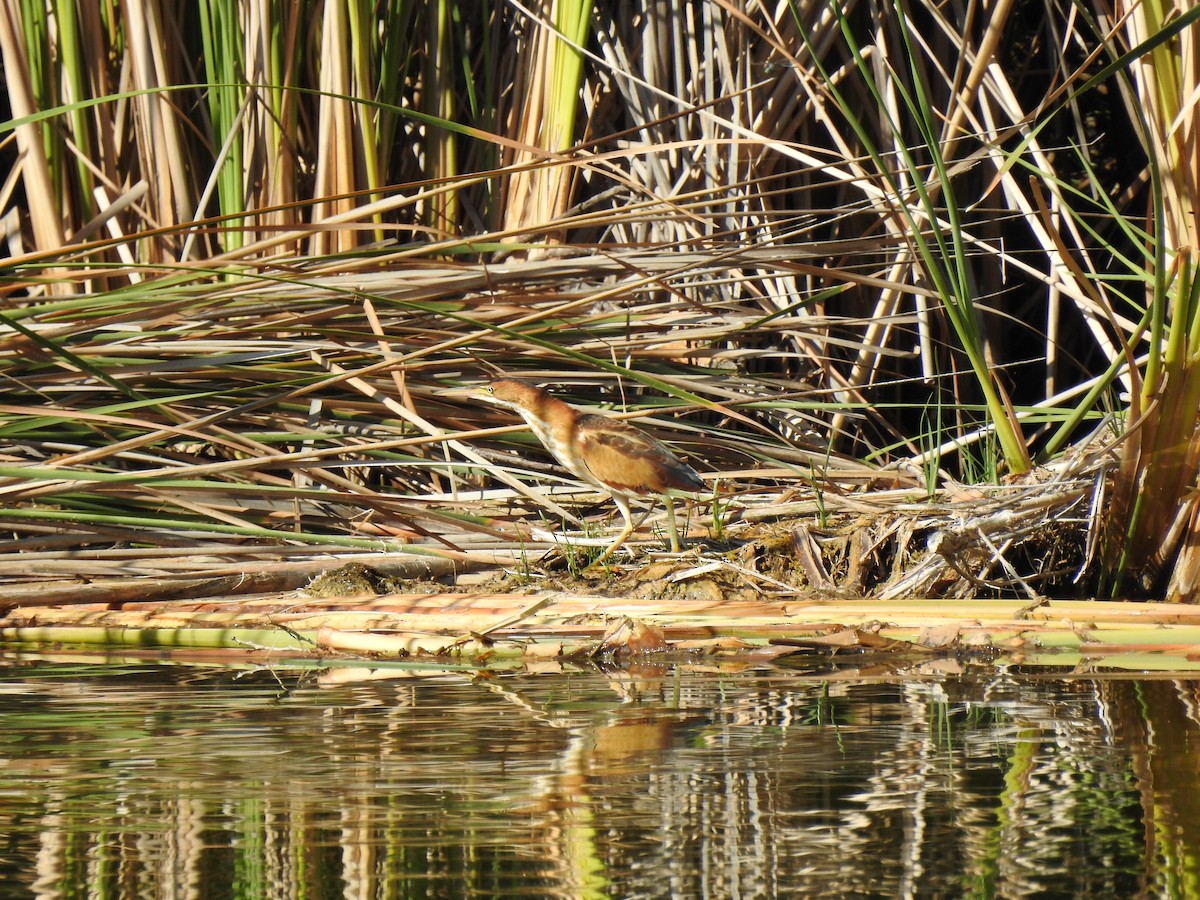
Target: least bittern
{"x":612,"y":455}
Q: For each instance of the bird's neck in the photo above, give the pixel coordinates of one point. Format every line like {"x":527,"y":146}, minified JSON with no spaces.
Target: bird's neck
{"x":555,"y":423}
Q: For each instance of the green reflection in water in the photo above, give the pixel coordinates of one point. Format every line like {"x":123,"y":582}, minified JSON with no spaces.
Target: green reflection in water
{"x":158,"y":780}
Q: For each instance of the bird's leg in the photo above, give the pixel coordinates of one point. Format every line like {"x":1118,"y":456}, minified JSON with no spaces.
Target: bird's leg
{"x":670,"y":504}
{"x":623,"y":505}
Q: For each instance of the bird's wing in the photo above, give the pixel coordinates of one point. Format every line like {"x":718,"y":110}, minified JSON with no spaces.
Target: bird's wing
{"x":629,"y":460}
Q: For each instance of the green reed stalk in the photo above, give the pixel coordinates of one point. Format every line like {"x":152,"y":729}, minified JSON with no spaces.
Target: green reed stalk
{"x":1155,"y":501}
{"x":224,"y":64}
{"x":941,"y":250}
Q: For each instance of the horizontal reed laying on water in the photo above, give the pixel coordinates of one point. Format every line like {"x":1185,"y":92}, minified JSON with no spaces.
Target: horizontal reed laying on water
{"x":927,"y":307}
{"x":509,"y":629}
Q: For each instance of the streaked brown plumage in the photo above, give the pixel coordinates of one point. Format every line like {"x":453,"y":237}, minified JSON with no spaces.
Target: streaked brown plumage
{"x":610,"y":454}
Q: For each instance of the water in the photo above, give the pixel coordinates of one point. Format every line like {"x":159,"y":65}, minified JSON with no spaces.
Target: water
{"x":130,"y":779}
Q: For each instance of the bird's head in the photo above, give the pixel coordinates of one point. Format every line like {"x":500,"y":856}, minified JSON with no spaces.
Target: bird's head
{"x":511,"y":393}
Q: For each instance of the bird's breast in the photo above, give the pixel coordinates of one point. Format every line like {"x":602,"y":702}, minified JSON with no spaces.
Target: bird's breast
{"x":560,"y":443}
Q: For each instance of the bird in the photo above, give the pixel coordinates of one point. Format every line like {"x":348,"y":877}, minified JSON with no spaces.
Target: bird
{"x":610,"y":454}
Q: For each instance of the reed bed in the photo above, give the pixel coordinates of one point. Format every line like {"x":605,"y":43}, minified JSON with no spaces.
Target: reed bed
{"x":899,"y":282}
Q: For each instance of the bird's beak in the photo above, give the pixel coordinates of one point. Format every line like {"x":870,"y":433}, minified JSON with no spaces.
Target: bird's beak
{"x":468,"y":392}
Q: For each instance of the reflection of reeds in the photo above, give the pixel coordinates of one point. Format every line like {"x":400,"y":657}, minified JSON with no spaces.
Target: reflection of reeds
{"x":719,"y":783}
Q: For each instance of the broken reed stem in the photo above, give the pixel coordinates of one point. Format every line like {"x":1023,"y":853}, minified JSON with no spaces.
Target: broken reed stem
{"x":162,"y":638}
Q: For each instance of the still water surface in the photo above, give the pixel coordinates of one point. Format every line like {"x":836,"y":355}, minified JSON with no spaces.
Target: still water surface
{"x":128,"y":779}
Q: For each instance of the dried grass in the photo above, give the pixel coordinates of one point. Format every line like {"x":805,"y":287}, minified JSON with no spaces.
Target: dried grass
{"x":802,"y":297}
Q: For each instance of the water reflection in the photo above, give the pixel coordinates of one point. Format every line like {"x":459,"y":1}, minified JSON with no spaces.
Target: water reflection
{"x":169,"y":781}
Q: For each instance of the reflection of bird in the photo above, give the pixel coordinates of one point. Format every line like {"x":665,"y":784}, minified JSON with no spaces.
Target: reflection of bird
{"x":610,"y":454}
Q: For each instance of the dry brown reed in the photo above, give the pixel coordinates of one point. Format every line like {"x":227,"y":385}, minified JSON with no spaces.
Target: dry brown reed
{"x":799,"y":241}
